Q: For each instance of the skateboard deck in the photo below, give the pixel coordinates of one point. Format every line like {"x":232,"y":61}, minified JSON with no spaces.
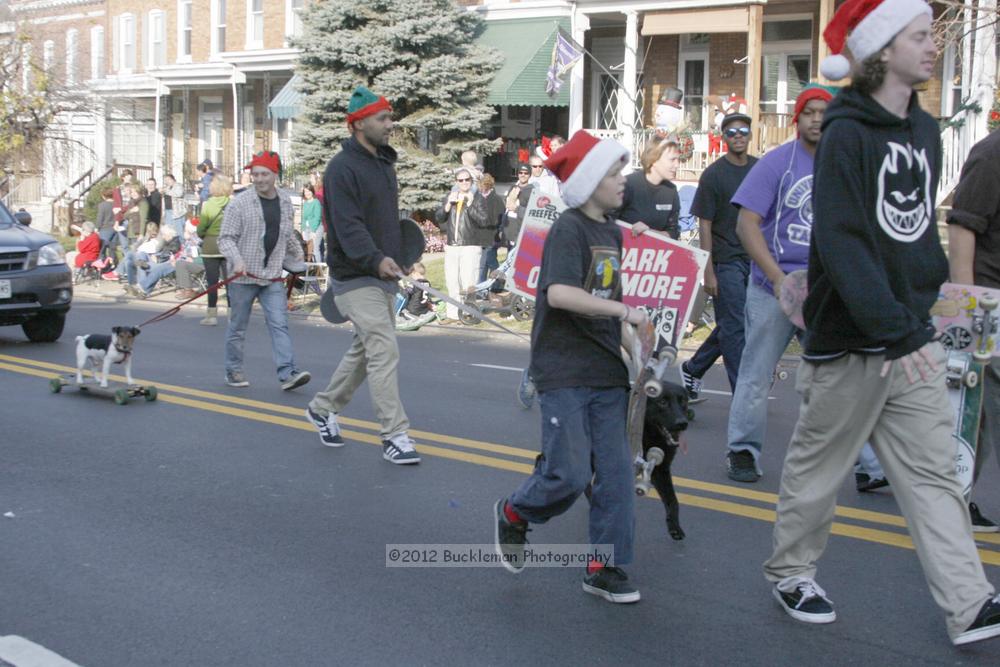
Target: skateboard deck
{"x":648,"y":366}
{"x":965,"y":315}
{"x":119,"y":392}
{"x":792,"y":295}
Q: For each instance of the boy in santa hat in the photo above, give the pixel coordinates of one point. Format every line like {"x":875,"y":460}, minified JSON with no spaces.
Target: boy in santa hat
{"x":577,"y":367}
{"x":871,"y":369}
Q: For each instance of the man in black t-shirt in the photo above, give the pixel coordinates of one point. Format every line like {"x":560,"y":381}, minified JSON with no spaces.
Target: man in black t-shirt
{"x":577,"y":366}
{"x":974,"y":256}
{"x":727,"y":273}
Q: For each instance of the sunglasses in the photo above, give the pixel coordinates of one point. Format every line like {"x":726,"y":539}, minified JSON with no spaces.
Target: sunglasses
{"x":742,"y":131}
{"x":464,"y":180}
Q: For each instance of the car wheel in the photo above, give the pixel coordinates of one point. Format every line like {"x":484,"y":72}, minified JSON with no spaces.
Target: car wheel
{"x":44,"y":327}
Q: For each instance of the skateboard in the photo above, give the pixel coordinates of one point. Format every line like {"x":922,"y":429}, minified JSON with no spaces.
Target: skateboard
{"x":965,"y":316}
{"x":648,"y":367}
{"x":119,"y":392}
{"x":792,"y":295}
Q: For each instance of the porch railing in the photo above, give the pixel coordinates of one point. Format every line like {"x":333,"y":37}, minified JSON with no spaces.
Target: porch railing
{"x":959,"y":134}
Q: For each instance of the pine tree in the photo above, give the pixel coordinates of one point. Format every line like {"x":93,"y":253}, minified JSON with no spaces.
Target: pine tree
{"x":421,"y":55}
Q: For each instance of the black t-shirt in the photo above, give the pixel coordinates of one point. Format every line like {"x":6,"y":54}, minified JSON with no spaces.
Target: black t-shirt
{"x":656,"y":205}
{"x":567,"y":349}
{"x":155,"y":206}
{"x":272,"y":224}
{"x":977,"y":208}
{"x":712,"y":202}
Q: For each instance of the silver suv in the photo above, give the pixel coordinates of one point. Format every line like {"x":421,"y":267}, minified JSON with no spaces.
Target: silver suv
{"x":36,"y":286}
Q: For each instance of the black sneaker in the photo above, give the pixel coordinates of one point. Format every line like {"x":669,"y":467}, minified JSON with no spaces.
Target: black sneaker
{"x":329,"y":429}
{"x":399,"y":450}
{"x":611,"y":583}
{"x":864,"y":483}
{"x":981,"y":524}
{"x":236,"y":379}
{"x":296,"y":379}
{"x":986,"y":625}
{"x":509,"y":538}
{"x":804,"y":600}
{"x":526,"y":391}
{"x":690,"y":382}
{"x":741,"y":467}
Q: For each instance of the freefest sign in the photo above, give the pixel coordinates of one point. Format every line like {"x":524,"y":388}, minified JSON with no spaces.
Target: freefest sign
{"x":658,"y":273}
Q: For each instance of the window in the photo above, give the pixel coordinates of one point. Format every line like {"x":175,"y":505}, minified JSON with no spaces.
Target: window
{"x":26,"y":67}
{"x":71,"y":57}
{"x":293,"y":17}
{"x":255,"y":24}
{"x":787,"y":31}
{"x":218,"y":39}
{"x":48,"y":55}
{"x":184,"y":30}
{"x":130,"y":130}
{"x":247,"y":132}
{"x":124,"y":44}
{"x":97,"y":52}
{"x":156,"y":34}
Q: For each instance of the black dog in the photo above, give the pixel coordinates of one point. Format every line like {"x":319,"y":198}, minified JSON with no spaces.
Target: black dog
{"x":666,"y":418}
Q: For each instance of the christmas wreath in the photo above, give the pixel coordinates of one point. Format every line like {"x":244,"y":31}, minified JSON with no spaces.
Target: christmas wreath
{"x":684,"y":139}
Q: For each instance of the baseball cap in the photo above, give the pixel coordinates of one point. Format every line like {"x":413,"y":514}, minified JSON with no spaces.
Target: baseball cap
{"x":733,"y":117}
{"x":524,"y":167}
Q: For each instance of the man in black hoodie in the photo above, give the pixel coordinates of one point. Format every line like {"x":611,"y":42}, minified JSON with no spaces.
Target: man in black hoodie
{"x":362,"y":209}
{"x":871,"y":369}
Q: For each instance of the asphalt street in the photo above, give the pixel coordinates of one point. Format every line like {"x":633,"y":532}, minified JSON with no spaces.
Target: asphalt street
{"x":211,"y":527}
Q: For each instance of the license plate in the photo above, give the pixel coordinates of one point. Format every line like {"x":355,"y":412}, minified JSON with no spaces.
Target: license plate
{"x":4,"y":289}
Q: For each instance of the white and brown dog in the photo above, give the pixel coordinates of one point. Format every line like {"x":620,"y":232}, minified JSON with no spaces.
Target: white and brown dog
{"x":102,"y":351}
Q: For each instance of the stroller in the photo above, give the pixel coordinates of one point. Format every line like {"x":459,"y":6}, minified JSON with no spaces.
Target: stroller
{"x":492,"y":296}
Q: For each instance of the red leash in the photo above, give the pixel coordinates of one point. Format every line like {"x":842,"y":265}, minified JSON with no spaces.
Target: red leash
{"x":176,"y":309}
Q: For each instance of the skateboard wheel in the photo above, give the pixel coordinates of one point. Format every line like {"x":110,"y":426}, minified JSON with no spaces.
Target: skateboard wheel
{"x":971,"y":379}
{"x":987,"y":303}
{"x":782,"y":375}
{"x":150,"y":394}
{"x":121,"y":396}
{"x":55,"y":385}
{"x":653,"y":388}
{"x":641,"y":490}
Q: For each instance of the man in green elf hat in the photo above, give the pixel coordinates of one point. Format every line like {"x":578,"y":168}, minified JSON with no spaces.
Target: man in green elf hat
{"x":362,"y":209}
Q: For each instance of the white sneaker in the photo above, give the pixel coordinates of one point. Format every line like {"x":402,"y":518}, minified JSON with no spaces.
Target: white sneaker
{"x":399,"y":449}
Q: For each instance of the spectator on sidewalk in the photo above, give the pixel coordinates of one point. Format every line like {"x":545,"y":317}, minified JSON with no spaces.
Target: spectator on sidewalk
{"x":462,"y":217}
{"x":774,"y":225}
{"x":155,"y":261}
{"x":88,"y":247}
{"x":517,"y":201}
{"x":154,"y":199}
{"x":312,"y":221}
{"x":494,"y":216}
{"x":362,"y":211}
{"x":209,"y":228}
{"x":206,"y":174}
{"x":257,"y":239}
{"x":106,"y":225}
{"x":728,"y":267}
{"x":174,"y":207}
{"x":871,"y":369}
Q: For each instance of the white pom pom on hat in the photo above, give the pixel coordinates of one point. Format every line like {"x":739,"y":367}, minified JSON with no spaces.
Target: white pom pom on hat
{"x":835,"y":67}
{"x":865,"y":27}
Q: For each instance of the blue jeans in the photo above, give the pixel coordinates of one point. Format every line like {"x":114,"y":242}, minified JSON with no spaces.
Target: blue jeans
{"x":488,"y":262}
{"x":148,"y":279}
{"x":583,"y":440}
{"x":275,"y":306}
{"x":727,"y":337}
{"x":176,"y":222}
{"x":768,"y":332}
{"x":128,"y":265}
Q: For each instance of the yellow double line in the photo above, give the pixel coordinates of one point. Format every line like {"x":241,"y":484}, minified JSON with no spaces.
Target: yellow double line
{"x":748,"y":503}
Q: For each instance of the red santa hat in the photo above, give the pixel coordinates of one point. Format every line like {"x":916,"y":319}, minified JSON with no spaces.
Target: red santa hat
{"x":266,"y":159}
{"x":865,"y":27}
{"x":582,"y":162}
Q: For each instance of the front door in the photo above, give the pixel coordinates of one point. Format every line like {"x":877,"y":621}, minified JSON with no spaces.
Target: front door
{"x":210,"y":131}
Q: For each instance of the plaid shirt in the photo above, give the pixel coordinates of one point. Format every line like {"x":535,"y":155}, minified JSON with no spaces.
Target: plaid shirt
{"x":242,"y":237}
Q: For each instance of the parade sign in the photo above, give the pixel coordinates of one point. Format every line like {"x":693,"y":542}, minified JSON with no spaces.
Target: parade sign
{"x":658,"y":274}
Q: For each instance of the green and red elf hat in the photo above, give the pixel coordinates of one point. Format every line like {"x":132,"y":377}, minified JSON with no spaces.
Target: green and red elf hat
{"x":266,"y":159}
{"x":365,"y":103}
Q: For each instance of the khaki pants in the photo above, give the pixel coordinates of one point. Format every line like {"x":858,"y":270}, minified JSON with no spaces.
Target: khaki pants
{"x":373,"y":354}
{"x":461,"y":271}
{"x":844,"y":403}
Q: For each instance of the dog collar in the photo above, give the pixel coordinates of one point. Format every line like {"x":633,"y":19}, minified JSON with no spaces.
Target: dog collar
{"x":124,"y":352}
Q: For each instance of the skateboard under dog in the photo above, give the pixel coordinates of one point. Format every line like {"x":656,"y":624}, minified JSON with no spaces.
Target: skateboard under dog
{"x":648,"y":366}
{"x":119,"y":392}
{"x":965,"y":317}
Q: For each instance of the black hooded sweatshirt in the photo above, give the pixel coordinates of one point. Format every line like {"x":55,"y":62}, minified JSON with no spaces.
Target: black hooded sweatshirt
{"x":875,"y":259}
{"x":361,"y":197}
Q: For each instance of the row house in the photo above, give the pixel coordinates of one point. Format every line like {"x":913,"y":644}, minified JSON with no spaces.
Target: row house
{"x":168,"y":83}
{"x":174,"y":82}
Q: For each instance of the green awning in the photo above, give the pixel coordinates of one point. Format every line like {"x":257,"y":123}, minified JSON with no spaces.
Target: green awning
{"x":288,"y":102}
{"x":527,"y":48}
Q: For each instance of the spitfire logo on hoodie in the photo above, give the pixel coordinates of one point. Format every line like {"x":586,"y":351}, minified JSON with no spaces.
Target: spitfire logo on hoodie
{"x":904,"y":183}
